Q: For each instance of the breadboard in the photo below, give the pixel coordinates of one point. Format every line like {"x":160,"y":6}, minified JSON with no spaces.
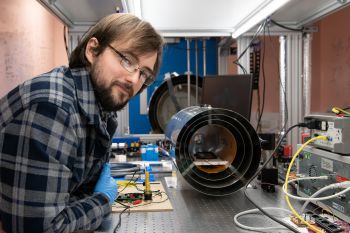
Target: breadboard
{"x":158,"y":203}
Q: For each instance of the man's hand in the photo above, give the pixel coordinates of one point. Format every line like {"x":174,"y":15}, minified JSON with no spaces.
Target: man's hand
{"x":106,"y":184}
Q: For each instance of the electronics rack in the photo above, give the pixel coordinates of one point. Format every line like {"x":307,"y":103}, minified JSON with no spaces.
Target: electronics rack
{"x":335,"y":127}
{"x":317,"y":162}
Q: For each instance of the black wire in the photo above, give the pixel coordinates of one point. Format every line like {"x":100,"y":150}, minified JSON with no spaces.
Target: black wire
{"x":126,"y":207}
{"x":257,"y":173}
{"x":242,"y":67}
{"x":264,"y":82}
{"x":260,"y":28}
{"x":129,"y":182}
{"x":258,"y":110}
{"x":261,"y":109}
{"x":285,"y":27}
{"x":120,"y":219}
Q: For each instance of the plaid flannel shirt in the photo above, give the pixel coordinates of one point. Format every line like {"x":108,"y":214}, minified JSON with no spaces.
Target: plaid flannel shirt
{"x":53,"y":143}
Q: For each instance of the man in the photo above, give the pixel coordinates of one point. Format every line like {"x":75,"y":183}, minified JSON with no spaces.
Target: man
{"x":56,"y":129}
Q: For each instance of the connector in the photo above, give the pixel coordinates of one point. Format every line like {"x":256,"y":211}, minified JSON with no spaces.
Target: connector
{"x":311,"y":123}
{"x":344,"y":184}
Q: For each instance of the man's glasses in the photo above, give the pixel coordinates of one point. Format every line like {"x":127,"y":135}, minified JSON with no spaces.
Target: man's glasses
{"x":146,"y":76}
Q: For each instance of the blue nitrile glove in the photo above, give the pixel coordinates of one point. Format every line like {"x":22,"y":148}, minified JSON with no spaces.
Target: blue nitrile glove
{"x":106,"y":184}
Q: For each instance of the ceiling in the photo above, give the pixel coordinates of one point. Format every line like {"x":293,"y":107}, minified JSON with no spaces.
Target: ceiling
{"x":305,"y":12}
{"x":181,"y":18}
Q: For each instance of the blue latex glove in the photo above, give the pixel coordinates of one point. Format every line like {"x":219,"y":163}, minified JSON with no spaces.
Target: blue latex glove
{"x":106,"y":184}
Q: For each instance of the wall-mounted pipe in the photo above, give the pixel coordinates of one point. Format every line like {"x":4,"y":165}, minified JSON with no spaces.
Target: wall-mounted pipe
{"x":283,"y":81}
{"x":307,"y":74}
{"x":188,"y":72}
{"x":204,"y":57}
{"x":196,"y":60}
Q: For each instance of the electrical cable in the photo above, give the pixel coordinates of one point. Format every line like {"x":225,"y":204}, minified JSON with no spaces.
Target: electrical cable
{"x":258,"y":127}
{"x":261,"y":27}
{"x":131,"y":180}
{"x":259,"y":229}
{"x":258,"y":109}
{"x":287,"y":177}
{"x":126,"y":207}
{"x":337,"y":110}
{"x":242,"y":67}
{"x":285,"y":27}
{"x":345,"y":185}
{"x":316,"y":194}
{"x":257,"y":173}
{"x":120,"y":219}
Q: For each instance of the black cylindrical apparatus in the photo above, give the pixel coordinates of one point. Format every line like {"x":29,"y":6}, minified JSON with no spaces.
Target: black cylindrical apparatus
{"x":169,"y":98}
{"x":217,"y":150}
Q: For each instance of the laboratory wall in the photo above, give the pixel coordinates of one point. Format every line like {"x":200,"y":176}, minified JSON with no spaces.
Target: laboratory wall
{"x":31,"y":42}
{"x":269,"y":77}
{"x":331,"y":62}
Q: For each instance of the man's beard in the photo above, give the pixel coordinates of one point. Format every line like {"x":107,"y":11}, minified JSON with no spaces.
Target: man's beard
{"x":104,"y":93}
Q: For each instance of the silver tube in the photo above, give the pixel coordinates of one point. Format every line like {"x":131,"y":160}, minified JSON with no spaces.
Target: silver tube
{"x":196,"y":44}
{"x":188,"y":73}
{"x":204,"y":57}
{"x":283,"y":79}
{"x":307,"y":74}
{"x":219,"y":60}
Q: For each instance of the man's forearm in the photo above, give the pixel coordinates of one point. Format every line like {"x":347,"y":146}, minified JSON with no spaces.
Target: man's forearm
{"x":85,"y":214}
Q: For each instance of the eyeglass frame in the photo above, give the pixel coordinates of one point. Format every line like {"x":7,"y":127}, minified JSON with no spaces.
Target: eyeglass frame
{"x":135,"y":67}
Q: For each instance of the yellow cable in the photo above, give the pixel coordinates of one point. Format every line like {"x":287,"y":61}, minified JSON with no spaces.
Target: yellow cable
{"x":124,"y":183}
{"x":287,"y":176}
{"x":337,"y":110}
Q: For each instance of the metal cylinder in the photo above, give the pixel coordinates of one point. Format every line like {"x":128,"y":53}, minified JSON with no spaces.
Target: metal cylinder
{"x":169,"y":98}
{"x":217,"y":150}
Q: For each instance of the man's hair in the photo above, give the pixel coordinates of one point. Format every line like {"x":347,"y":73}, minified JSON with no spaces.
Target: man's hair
{"x":123,"y":28}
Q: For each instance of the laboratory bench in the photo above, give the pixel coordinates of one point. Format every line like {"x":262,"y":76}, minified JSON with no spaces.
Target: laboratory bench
{"x":196,"y":212}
